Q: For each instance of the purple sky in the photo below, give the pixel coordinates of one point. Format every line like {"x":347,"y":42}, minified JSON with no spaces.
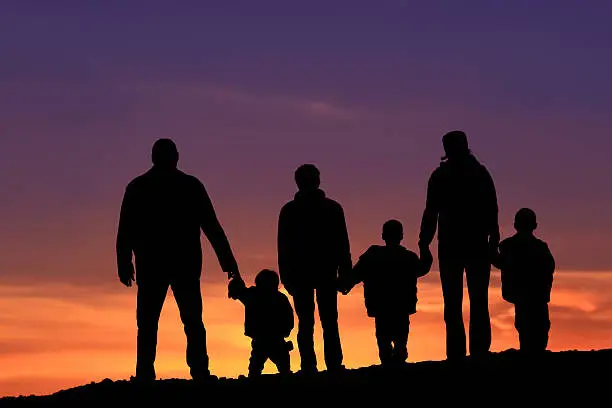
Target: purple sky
{"x":251,"y":89}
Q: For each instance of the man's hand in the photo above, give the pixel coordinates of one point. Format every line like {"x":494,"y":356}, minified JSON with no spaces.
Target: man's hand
{"x":493,"y":248}
{"x":343,"y":285}
{"x":425,"y":254}
{"x":235,"y":287}
{"x":233,"y":274}
{"x":127,"y":274}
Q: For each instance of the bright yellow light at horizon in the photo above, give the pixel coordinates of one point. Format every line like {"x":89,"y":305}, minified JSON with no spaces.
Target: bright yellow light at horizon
{"x":62,"y":336}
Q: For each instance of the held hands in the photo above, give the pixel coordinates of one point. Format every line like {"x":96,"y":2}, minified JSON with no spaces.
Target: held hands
{"x":127,"y":274}
{"x":234,"y":287}
{"x":344,"y":286}
{"x":493,"y":249}
{"x":233,"y":274}
{"x":425,"y":254}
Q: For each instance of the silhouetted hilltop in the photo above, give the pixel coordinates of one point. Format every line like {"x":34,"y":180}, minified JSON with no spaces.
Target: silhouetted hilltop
{"x":507,"y":378}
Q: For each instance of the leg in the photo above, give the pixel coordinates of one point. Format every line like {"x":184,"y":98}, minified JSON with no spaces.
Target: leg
{"x":259,"y":355}
{"x":478,"y":273}
{"x":522,"y":324}
{"x":149,"y":302}
{"x":383,"y":339}
{"x":519,"y":324}
{"x":189,"y":300}
{"x":533,"y":324}
{"x":327,"y":302}
{"x":451,"y":276}
{"x":544,"y":327}
{"x":279,"y":354}
{"x":303,"y":301}
{"x":401,"y":327}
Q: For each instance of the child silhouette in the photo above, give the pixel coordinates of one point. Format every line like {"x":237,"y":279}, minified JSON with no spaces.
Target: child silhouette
{"x":268,"y":321}
{"x":389,"y":274}
{"x":527,"y":268}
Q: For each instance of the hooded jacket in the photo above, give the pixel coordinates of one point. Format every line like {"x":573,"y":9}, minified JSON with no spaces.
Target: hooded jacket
{"x":313,"y":242}
{"x":163,"y":213}
{"x":461,"y":203}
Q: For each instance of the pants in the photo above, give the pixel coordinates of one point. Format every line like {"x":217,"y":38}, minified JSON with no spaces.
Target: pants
{"x":150,"y":300}
{"x":532,"y":322}
{"x":264,"y":349}
{"x":392,"y":337}
{"x":327,"y":302}
{"x":477,"y":268}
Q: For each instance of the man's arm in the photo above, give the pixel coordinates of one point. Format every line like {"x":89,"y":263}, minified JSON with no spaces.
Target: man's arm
{"x":125,"y":241}
{"x":429,"y":220}
{"x":492,"y":210}
{"x":215,"y":234}
{"x":498,"y":258}
{"x":425,"y":261}
{"x":288,"y":318}
{"x":549,"y":266}
{"x":283,"y":249}
{"x":355,"y":276}
{"x":345,"y":262}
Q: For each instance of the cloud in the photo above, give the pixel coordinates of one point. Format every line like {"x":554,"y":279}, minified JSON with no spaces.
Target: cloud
{"x":229,"y":94}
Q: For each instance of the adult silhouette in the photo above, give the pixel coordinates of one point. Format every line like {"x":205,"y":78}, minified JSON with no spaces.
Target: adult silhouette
{"x":462,"y":204}
{"x":313,"y":251}
{"x":162,"y":214}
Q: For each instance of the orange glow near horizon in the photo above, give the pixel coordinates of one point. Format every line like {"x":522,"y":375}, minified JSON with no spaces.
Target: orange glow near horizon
{"x":63,"y":336}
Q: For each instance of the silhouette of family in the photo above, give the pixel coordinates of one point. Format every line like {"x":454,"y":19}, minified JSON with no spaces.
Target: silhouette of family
{"x":158,"y":245}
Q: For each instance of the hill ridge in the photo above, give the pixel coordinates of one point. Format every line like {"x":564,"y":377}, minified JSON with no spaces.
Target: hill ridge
{"x":552,"y":376}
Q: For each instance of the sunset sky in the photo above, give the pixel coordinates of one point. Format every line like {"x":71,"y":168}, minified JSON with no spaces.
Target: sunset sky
{"x":249,"y":90}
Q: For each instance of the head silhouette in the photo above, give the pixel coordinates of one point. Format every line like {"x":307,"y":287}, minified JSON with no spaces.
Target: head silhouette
{"x":525,"y":220}
{"x":393,"y":232}
{"x":165,"y":154}
{"x":267,"y":280}
{"x":455,"y":145}
{"x":307,"y":177}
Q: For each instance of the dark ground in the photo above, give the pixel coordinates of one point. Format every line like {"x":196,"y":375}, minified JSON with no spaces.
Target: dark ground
{"x":570,"y":378}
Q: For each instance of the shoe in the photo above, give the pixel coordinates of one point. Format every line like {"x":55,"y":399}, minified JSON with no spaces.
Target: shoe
{"x":140,"y":379}
{"x":336,"y":369}
{"x":201,"y":375}
{"x":308,"y":371}
{"x":144,"y":375}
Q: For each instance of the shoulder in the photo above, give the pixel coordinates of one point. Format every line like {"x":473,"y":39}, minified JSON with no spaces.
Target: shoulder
{"x":138,"y":182}
{"x":508,"y":242}
{"x":438,"y":171}
{"x":287,"y":208}
{"x":483,"y":170}
{"x":190,"y":180}
{"x":372,"y":252}
{"x":333,"y":205}
{"x":408,"y":253}
{"x":543,"y":245}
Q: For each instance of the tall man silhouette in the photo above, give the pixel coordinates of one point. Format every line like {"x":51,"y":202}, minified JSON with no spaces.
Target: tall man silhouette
{"x":313,"y":250}
{"x":162,"y":213}
{"x":462,"y":204}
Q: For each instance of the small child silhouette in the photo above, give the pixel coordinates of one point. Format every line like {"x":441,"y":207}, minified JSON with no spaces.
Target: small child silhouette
{"x":527,"y":267}
{"x":268,"y":321}
{"x":389,"y":274}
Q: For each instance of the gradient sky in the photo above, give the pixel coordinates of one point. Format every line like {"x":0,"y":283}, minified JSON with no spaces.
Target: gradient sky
{"x":250,"y":90}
